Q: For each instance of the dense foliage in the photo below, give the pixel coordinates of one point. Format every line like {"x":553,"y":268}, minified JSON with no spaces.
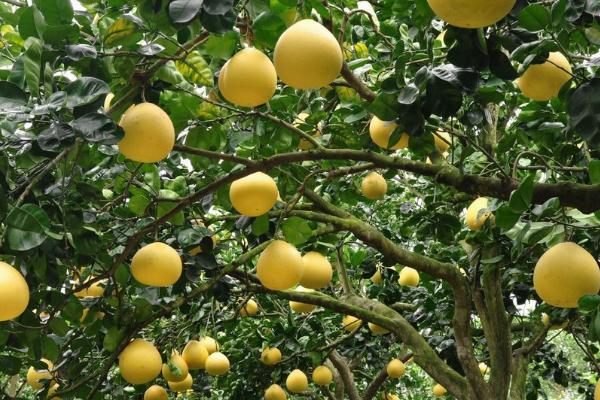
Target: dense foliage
{"x":74,"y":210}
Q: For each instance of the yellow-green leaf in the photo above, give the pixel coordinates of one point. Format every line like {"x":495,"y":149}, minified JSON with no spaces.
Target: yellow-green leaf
{"x":122,"y":32}
{"x":195,"y":69}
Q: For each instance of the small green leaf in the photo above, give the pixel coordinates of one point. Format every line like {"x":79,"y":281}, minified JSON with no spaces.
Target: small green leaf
{"x":588,"y":303}
{"x":520,"y":199}
{"x":26,"y":227}
{"x":296,"y":230}
{"x":534,"y":17}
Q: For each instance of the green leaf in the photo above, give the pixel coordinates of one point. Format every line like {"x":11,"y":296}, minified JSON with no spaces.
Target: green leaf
{"x":594,"y":171}
{"x":55,"y":137}
{"x":10,"y":365}
{"x":58,"y":326}
{"x":32,"y":61}
{"x":296,"y":230}
{"x":26,"y":227}
{"x":112,"y":338}
{"x":588,"y":303}
{"x":534,"y":17}
{"x":137,"y":204}
{"x":56,"y":12}
{"x":184,"y":11}
{"x":85,"y":91}
{"x":505,"y":217}
{"x":12,"y":97}
{"x":520,"y":199}
{"x":583,"y":107}
{"x":221,"y":46}
{"x":122,"y":32}
{"x":218,"y":23}
{"x":267,"y":28}
{"x":218,"y":7}
{"x":195,"y":69}
{"x":260,"y":226}
{"x":98,"y":128}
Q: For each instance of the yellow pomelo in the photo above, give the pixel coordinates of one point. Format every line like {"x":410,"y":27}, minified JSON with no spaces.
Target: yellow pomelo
{"x":156,"y":392}
{"x":546,"y":321}
{"x":475,"y":217}
{"x":442,"y":141}
{"x":543,"y":81}
{"x":564,"y":273}
{"x":307,"y":56}
{"x":409,"y":277}
{"x":317,"y":271}
{"x":373,"y":186}
{"x":96,"y":289}
{"x":53,"y":389}
{"x":378,"y":330}
{"x":376,"y":277}
{"x":182,"y":386}
{"x":209,"y":344}
{"x":322,"y":376}
{"x":296,"y":382}
{"x":195,"y":355}
{"x":275,"y":392}
{"x":279,"y":266}
{"x":483,"y":368}
{"x":471,"y":13}
{"x":14,"y":292}
{"x":175,"y":369}
{"x":351,"y":323}
{"x":395,"y":368}
{"x":305,"y":144}
{"x":156,"y":264}
{"x":248,"y":79}
{"x":381,"y":132}
{"x":37,"y":378}
{"x":250,"y":308}
{"x":217,"y":364}
{"x":149,"y":134}
{"x":270,"y":356}
{"x":439,"y":390}
{"x":302,"y":307}
{"x":597,"y":391}
{"x":390,"y":396}
{"x":140,"y":362}
{"x":254,"y":194}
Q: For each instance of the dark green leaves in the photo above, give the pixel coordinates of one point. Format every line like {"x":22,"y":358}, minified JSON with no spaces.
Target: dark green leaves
{"x":26,"y":227}
{"x":534,"y":17}
{"x":583,"y":107}
{"x":32,"y":61}
{"x":85,"y":90}
{"x":184,"y":11}
{"x":589,"y":302}
{"x":520,"y":201}
{"x":594,"y":171}
{"x":12,"y":97}
{"x":55,"y":12}
{"x":55,"y":137}
{"x":218,"y":7}
{"x":267,"y":28}
{"x":97,"y":128}
{"x":296,"y":230}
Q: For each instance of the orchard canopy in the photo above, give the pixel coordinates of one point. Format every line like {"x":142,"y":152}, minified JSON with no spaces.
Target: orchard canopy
{"x":299,"y":199}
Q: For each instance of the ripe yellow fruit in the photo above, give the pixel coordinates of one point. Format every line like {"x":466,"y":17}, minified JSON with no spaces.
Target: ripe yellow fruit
{"x":37,"y":378}
{"x":210,"y":344}
{"x":176,"y":369}
{"x":390,"y":396}
{"x":483,"y":368}
{"x":439,"y":390}
{"x":140,"y":362}
{"x":182,"y":386}
{"x":53,"y":389}
{"x":217,"y":364}
{"x":302,"y":307}
{"x":381,"y":132}
{"x":307,"y":56}
{"x":195,"y":355}
{"x":351,"y":323}
{"x":96,"y":289}
{"x":254,"y":194}
{"x":322,"y":376}
{"x":377,"y":330}
{"x":597,"y":391}
{"x":156,"y":392}
{"x":409,"y":277}
{"x":249,"y":309}
{"x":305,"y":144}
{"x":475,"y":217}
{"x":471,"y":13}
{"x":543,"y":81}
{"x":275,"y":392}
{"x":14,"y":292}
{"x":546,"y":321}
{"x":564,"y":273}
{"x":279,"y":266}
{"x":156,"y":264}
{"x":149,"y":134}
{"x":270,"y":356}
{"x":296,"y":382}
{"x":248,"y":79}
{"x":442,"y":141}
{"x":395,"y":368}
{"x":373,"y":186}
{"x":376,"y":277}
{"x":317,"y":271}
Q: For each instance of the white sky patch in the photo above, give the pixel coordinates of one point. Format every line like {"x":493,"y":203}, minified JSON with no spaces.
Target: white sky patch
{"x":77,"y":6}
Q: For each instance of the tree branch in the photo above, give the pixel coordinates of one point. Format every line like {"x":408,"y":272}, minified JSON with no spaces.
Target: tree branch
{"x":342,"y":366}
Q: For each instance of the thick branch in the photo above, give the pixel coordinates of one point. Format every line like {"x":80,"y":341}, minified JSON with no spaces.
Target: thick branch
{"x":375,"y":384}
{"x":362,"y":89}
{"x":342,"y":366}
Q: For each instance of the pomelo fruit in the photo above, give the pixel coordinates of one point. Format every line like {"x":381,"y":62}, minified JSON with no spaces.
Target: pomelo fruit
{"x":156,"y":264}
{"x":14,"y":292}
{"x":373,"y":186}
{"x":253,"y":195}
{"x":280,"y":266}
{"x":317,"y":271}
{"x":140,"y":362}
{"x":471,"y":14}
{"x":543,"y":81}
